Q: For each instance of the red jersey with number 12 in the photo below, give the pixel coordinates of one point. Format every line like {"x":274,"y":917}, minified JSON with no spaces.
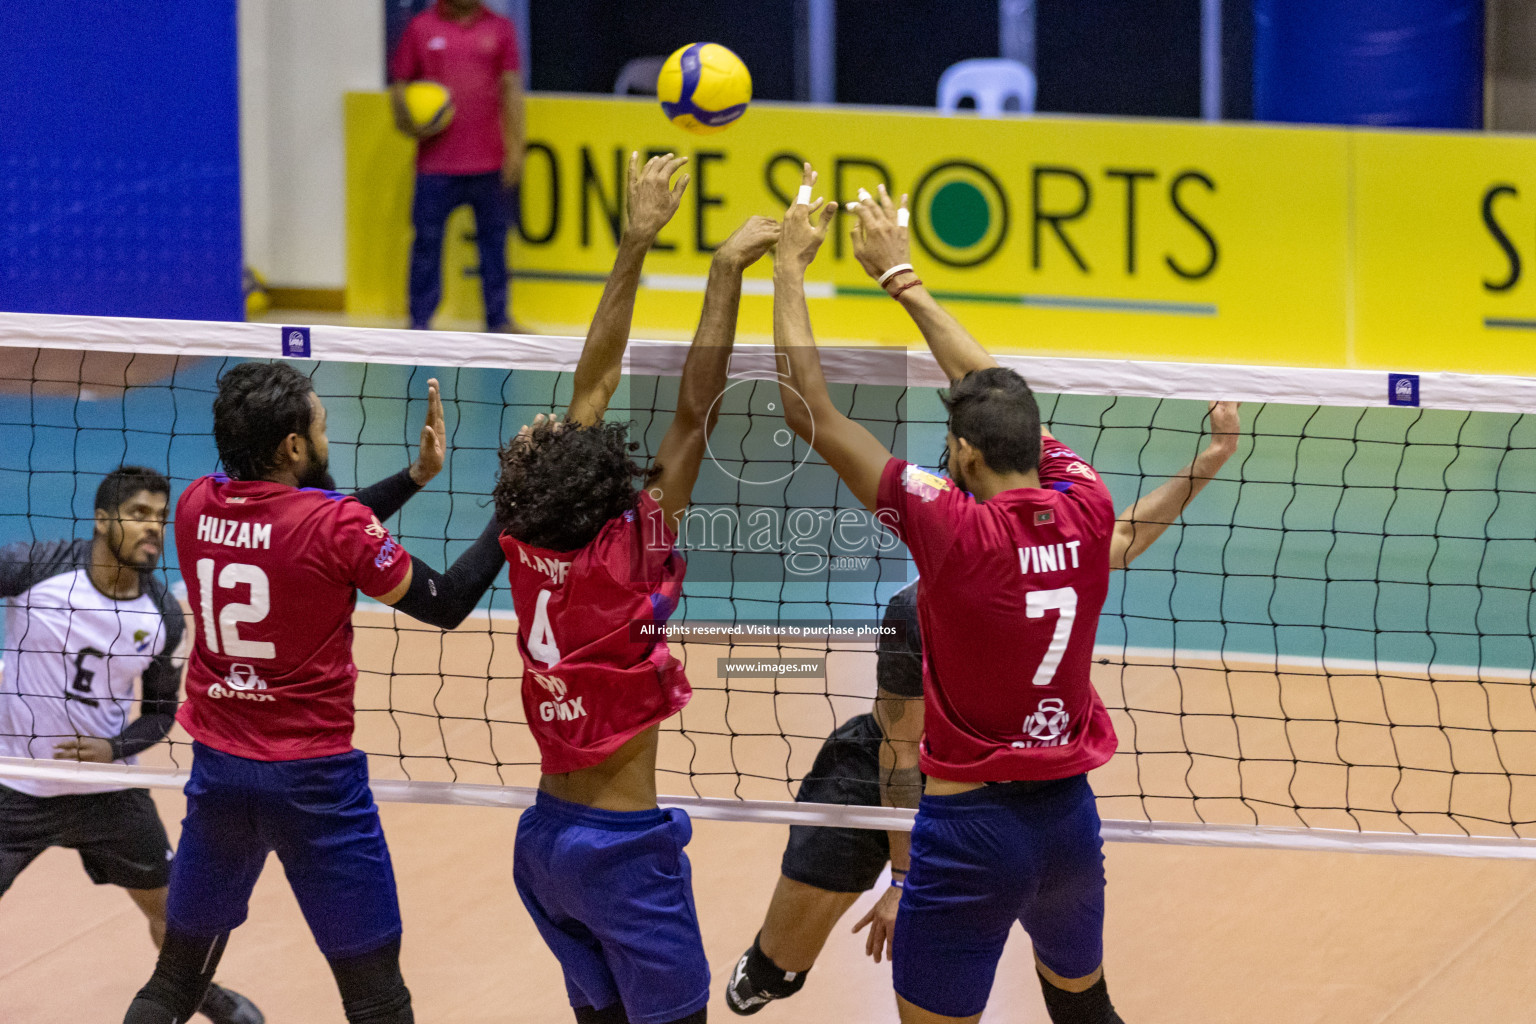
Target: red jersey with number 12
{"x":1008,"y":604}
{"x":596,"y":671}
{"x":272,"y":575}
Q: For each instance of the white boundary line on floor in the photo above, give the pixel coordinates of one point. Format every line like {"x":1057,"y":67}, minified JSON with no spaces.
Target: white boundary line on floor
{"x":871,"y":365}
{"x":783,"y":812}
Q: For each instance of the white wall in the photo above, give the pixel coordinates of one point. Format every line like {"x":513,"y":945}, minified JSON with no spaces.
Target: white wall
{"x":297,"y":59}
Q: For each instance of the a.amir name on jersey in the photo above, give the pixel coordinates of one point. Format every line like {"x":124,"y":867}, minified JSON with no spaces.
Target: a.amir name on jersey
{"x":234,"y":535}
{"x":1048,"y":557}
{"x":550,"y":567}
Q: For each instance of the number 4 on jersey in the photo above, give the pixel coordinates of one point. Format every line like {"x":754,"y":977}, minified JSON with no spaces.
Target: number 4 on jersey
{"x":541,"y":637}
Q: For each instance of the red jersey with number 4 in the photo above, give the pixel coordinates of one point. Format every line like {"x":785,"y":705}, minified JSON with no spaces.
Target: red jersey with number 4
{"x":594,"y":675}
{"x":1008,"y":605}
{"x":272,"y":575}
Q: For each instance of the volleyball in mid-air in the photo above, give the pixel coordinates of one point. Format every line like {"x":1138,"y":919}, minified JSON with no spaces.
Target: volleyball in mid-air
{"x":704,"y":87}
{"x":430,"y":106}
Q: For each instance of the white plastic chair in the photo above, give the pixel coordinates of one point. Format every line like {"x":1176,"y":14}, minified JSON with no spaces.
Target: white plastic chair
{"x":997,"y":86}
{"x":638,"y":77}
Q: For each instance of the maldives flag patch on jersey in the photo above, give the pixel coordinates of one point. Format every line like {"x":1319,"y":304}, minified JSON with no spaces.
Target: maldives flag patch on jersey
{"x":1045,"y":518}
{"x":924,"y":484}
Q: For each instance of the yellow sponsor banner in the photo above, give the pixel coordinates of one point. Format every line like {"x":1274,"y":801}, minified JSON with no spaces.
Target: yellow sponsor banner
{"x":1445,"y":252}
{"x":1072,"y":237}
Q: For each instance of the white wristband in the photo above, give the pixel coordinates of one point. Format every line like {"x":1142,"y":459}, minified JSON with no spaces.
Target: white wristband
{"x":803,"y":197}
{"x":898,"y":268}
{"x":903,"y":217}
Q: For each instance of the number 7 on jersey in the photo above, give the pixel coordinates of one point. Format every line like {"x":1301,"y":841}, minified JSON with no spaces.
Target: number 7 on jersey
{"x":1036,"y":604}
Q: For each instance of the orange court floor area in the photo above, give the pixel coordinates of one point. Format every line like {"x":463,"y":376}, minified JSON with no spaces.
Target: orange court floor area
{"x":1193,"y":935}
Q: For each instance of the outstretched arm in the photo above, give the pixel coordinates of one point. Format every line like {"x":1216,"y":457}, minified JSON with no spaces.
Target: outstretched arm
{"x":880,"y":242}
{"x":652,"y":202}
{"x":445,"y":599}
{"x":676,"y":468}
{"x":848,"y":447}
{"x":389,"y":495}
{"x":1140,"y":525}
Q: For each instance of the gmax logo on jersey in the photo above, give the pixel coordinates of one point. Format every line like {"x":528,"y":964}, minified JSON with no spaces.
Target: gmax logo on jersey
{"x":1048,"y":726}
{"x":242,"y":683}
{"x":559,"y":708}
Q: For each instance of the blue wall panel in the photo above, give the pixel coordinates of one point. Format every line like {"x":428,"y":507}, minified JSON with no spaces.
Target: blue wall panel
{"x":1403,"y":63}
{"x":120,"y":159}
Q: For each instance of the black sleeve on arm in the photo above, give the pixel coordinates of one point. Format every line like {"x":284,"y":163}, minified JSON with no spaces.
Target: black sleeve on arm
{"x":161,"y":684}
{"x":389,"y":495}
{"x":446,"y":599}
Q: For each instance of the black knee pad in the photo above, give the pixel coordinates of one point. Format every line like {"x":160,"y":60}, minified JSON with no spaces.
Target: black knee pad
{"x":697,"y":1017}
{"x":372,"y":989}
{"x":607,"y":1015}
{"x":1090,"y":1006}
{"x":182,"y":975}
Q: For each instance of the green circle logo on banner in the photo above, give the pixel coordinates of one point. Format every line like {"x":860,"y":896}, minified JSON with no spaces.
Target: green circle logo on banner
{"x":960,"y":214}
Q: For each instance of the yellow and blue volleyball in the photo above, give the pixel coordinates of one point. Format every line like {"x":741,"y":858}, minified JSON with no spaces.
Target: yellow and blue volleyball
{"x":704,"y":87}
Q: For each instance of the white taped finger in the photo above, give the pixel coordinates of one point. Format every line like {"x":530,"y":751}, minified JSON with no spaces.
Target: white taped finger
{"x":803,"y":197}
{"x":903,"y":217}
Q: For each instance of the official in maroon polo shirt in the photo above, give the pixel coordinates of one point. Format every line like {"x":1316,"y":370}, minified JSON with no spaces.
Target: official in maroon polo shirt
{"x":478,"y":159}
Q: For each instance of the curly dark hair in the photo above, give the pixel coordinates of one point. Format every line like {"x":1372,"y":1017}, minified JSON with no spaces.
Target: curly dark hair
{"x":560,"y":484}
{"x":258,"y":405}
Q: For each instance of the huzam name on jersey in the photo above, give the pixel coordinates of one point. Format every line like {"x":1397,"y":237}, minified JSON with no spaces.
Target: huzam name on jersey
{"x":234,"y":534}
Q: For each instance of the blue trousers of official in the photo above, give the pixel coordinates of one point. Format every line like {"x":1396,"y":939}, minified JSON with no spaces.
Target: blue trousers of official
{"x":438,"y":195}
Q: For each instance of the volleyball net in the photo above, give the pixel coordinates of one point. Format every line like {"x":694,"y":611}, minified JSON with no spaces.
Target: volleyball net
{"x":1332,"y":649}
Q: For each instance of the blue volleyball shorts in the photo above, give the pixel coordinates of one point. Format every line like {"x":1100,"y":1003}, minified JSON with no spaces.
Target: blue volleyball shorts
{"x":982,"y":860}
{"x":611,"y":892}
{"x":318,"y":815}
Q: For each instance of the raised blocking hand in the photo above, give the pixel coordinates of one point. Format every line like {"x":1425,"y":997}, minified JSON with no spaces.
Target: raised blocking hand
{"x":804,"y":230}
{"x":653,"y":199}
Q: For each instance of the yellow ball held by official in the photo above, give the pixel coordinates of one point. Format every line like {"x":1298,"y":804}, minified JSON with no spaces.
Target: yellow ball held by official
{"x":703,"y":88}
{"x":430,"y":106}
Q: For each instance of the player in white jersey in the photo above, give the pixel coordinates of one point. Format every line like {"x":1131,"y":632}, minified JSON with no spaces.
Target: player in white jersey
{"x":85,"y":619}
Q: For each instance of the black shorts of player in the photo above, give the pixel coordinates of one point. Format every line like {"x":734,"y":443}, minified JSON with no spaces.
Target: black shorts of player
{"x":119,"y":835}
{"x":846,"y":771}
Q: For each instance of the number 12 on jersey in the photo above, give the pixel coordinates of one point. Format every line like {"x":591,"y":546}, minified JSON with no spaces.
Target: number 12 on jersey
{"x":1036,"y":604}
{"x":232,"y":614}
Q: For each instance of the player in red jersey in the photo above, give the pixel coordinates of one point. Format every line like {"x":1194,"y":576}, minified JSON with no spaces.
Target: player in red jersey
{"x":594,"y":573}
{"x":872,"y":759}
{"x":1014,"y":549}
{"x":274,"y":558}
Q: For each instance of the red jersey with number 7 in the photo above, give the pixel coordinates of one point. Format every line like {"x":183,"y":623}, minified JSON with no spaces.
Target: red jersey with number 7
{"x":596,"y":667}
{"x":272,"y":575}
{"x":1008,"y":605}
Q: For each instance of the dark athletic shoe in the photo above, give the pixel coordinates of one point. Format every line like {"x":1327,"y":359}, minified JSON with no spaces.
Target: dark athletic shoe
{"x":224,"y":1006}
{"x":740,"y":996}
